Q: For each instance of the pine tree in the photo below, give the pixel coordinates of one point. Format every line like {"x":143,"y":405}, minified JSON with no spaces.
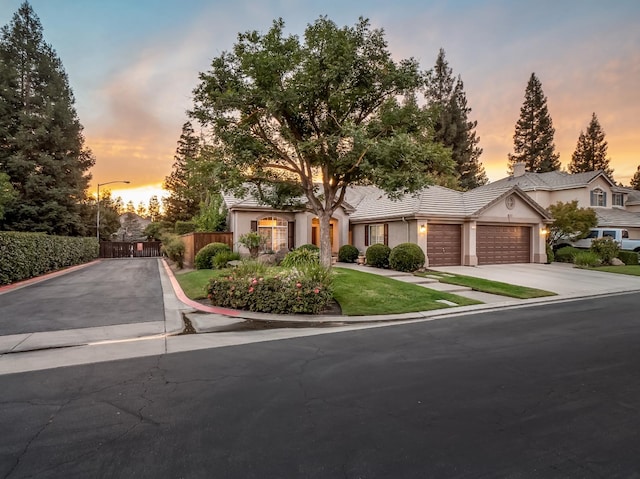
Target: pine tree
{"x":635,"y":181}
{"x":42,"y":148}
{"x":154,"y":208}
{"x":184,"y":200}
{"x":591,"y":151}
{"x":130,"y":207}
{"x":533,"y":139}
{"x":141,"y":210}
{"x":452,"y":126}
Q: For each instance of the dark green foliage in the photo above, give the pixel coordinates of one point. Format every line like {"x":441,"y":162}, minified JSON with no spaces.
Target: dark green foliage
{"x":606,"y":249}
{"x":204,"y":256}
{"x":591,"y":151}
{"x":566,"y":254}
{"x":156,"y":230}
{"x":7,"y":193}
{"x":41,"y":143}
{"x":309,"y":246}
{"x":348,"y":254}
{"x":452,"y":127}
{"x":550,"y":253}
{"x":586,"y":259}
{"x":635,"y":181}
{"x":378,"y":255}
{"x":628,"y":257}
{"x":406,"y":257}
{"x":287,"y":292}
{"x":533,"y":139}
{"x":173,"y":247}
{"x":26,"y":255}
{"x":184,"y":227}
{"x":212,"y":215}
{"x":220,"y":260}
{"x":300,"y":257}
{"x":570,"y":222}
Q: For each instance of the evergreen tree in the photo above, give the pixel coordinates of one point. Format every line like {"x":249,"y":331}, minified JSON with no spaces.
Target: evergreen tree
{"x":533,"y":139}
{"x":452,"y":126}
{"x":41,"y":144}
{"x":7,"y":194}
{"x":154,"y":208}
{"x":635,"y":181}
{"x":130,"y":207}
{"x":591,"y":151}
{"x":141,"y":211}
{"x":183,"y":201}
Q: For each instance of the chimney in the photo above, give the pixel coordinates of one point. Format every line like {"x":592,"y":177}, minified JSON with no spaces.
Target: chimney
{"x":519,"y":169}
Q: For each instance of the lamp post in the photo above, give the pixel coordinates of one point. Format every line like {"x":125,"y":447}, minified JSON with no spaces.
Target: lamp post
{"x":98,"y":204}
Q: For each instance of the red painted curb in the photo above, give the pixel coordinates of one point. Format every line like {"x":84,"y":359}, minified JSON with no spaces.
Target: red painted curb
{"x":21,"y":284}
{"x":194,"y":304}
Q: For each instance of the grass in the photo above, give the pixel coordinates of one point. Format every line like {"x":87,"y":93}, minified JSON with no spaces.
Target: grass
{"x":193,"y":283}
{"x":493,"y":287}
{"x":360,"y":293}
{"x":632,"y":270}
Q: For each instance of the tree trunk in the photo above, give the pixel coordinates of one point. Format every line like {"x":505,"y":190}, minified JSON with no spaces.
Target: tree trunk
{"x":325,"y":239}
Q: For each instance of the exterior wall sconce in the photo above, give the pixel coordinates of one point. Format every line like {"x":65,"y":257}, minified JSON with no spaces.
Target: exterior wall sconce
{"x":423,"y":228}
{"x":544,"y":232}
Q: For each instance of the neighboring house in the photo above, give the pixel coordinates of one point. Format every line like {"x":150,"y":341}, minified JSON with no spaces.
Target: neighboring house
{"x":615,"y":206}
{"x":498,"y":225}
{"x":131,"y":228}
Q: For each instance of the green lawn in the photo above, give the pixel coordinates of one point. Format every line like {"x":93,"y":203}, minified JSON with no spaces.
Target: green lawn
{"x":632,"y":270}
{"x":360,"y":293}
{"x":357,"y":293}
{"x":493,"y":287}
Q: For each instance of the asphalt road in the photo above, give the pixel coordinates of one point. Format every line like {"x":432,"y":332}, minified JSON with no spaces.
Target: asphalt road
{"x":103,"y":294}
{"x":541,"y":392}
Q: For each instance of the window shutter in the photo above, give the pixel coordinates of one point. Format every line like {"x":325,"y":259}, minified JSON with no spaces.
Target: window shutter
{"x":366,"y":235}
{"x":592,"y":201}
{"x":292,"y":235}
{"x":254,"y":225}
{"x":604,"y":198}
{"x":386,"y":234}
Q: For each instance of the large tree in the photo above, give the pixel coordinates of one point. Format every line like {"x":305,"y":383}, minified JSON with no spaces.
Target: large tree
{"x":41,"y":143}
{"x":533,"y":139}
{"x":7,"y":194}
{"x":570,"y":222}
{"x":452,"y":126}
{"x":591,"y":150}
{"x":635,"y":181}
{"x":311,"y":118}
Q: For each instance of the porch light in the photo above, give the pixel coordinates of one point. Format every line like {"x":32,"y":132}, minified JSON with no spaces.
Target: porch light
{"x":544,"y":231}
{"x":423,"y":228}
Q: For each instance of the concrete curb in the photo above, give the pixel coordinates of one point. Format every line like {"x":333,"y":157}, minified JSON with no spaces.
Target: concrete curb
{"x":38,"y":279}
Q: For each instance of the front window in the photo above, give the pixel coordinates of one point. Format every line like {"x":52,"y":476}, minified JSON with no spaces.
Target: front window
{"x":274,"y":230}
{"x":376,"y":234}
{"x":598,"y":197}
{"x":618,"y":199}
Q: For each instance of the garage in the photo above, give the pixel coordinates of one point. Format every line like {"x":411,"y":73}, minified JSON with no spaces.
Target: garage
{"x":503,"y":244}
{"x":444,"y":244}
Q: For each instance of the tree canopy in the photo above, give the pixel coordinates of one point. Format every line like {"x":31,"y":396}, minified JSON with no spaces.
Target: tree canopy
{"x":591,"y":150}
{"x":635,"y":181}
{"x":533,"y":138}
{"x":311,"y":118}
{"x":42,"y":149}
{"x":452,"y":127}
{"x":570,"y":222}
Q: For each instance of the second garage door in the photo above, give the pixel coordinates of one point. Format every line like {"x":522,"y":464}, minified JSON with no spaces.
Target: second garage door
{"x":444,"y":245}
{"x":503,"y":244}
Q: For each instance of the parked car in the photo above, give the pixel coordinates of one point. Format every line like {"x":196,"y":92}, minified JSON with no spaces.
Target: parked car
{"x":618,"y":234}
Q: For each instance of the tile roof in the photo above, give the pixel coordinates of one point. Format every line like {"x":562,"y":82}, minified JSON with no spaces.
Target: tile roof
{"x":616,"y":217}
{"x":552,"y":180}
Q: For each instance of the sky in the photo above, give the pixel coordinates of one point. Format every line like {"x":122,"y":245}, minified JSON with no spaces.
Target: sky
{"x":133,"y":65}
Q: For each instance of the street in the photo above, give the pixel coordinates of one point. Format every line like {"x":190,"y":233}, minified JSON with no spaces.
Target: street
{"x":536,"y":392}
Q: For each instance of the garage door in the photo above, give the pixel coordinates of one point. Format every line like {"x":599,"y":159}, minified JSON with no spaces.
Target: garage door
{"x":503,"y":244}
{"x":444,"y":245}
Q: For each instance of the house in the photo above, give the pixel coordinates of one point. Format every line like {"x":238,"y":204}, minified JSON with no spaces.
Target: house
{"x":482,"y":226}
{"x":615,"y":206}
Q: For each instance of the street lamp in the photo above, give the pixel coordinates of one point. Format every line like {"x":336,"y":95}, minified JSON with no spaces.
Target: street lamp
{"x":98,"y":212}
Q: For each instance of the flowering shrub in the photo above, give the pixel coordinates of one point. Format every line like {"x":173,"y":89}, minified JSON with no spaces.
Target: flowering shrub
{"x":299,"y":257}
{"x":285,"y":292}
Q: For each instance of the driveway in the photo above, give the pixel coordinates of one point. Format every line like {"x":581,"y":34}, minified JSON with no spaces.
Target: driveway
{"x":561,"y":278}
{"x":107,"y":293}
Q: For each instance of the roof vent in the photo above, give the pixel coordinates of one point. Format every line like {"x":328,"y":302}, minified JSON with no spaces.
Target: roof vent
{"x":519,"y":169}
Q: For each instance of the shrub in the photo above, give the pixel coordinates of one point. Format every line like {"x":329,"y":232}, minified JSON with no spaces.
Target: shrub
{"x":309,"y":246}
{"x":586,"y":259}
{"x":25,"y":255}
{"x":378,"y":255}
{"x":348,"y":254}
{"x":287,"y":292}
{"x":220,"y":260}
{"x":566,"y":254}
{"x":550,"y":254}
{"x":605,"y":248}
{"x":252,"y":241}
{"x":173,"y":248}
{"x":406,"y":257}
{"x":184,"y":227}
{"x":251,"y":267}
{"x":299,"y":257}
{"x":205,"y":255}
{"x":628,"y":257}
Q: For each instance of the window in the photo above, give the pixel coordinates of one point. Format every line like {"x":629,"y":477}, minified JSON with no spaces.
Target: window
{"x":592,"y":234}
{"x":376,"y":234}
{"x":274,"y":230}
{"x":598,"y":197}
{"x":609,"y":234}
{"x":617,"y":199}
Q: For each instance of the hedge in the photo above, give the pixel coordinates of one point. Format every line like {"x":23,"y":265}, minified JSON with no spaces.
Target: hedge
{"x":628,"y":257}
{"x":26,"y":255}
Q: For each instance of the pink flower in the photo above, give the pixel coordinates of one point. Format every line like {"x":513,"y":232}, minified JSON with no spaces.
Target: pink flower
{"x":316,"y":290}
{"x":255,"y":281}
{"x":298,"y":285}
{"x":251,"y":289}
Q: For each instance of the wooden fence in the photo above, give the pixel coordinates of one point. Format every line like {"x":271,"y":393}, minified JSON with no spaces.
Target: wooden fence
{"x":194,"y":242}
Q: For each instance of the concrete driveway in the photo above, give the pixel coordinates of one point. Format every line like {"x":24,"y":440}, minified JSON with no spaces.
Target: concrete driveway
{"x":561,"y":278}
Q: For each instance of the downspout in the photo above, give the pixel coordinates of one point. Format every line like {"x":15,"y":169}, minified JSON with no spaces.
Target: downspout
{"x":405,"y":221}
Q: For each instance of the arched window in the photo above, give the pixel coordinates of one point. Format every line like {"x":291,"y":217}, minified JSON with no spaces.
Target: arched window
{"x":598,"y":197}
{"x":274,"y":230}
